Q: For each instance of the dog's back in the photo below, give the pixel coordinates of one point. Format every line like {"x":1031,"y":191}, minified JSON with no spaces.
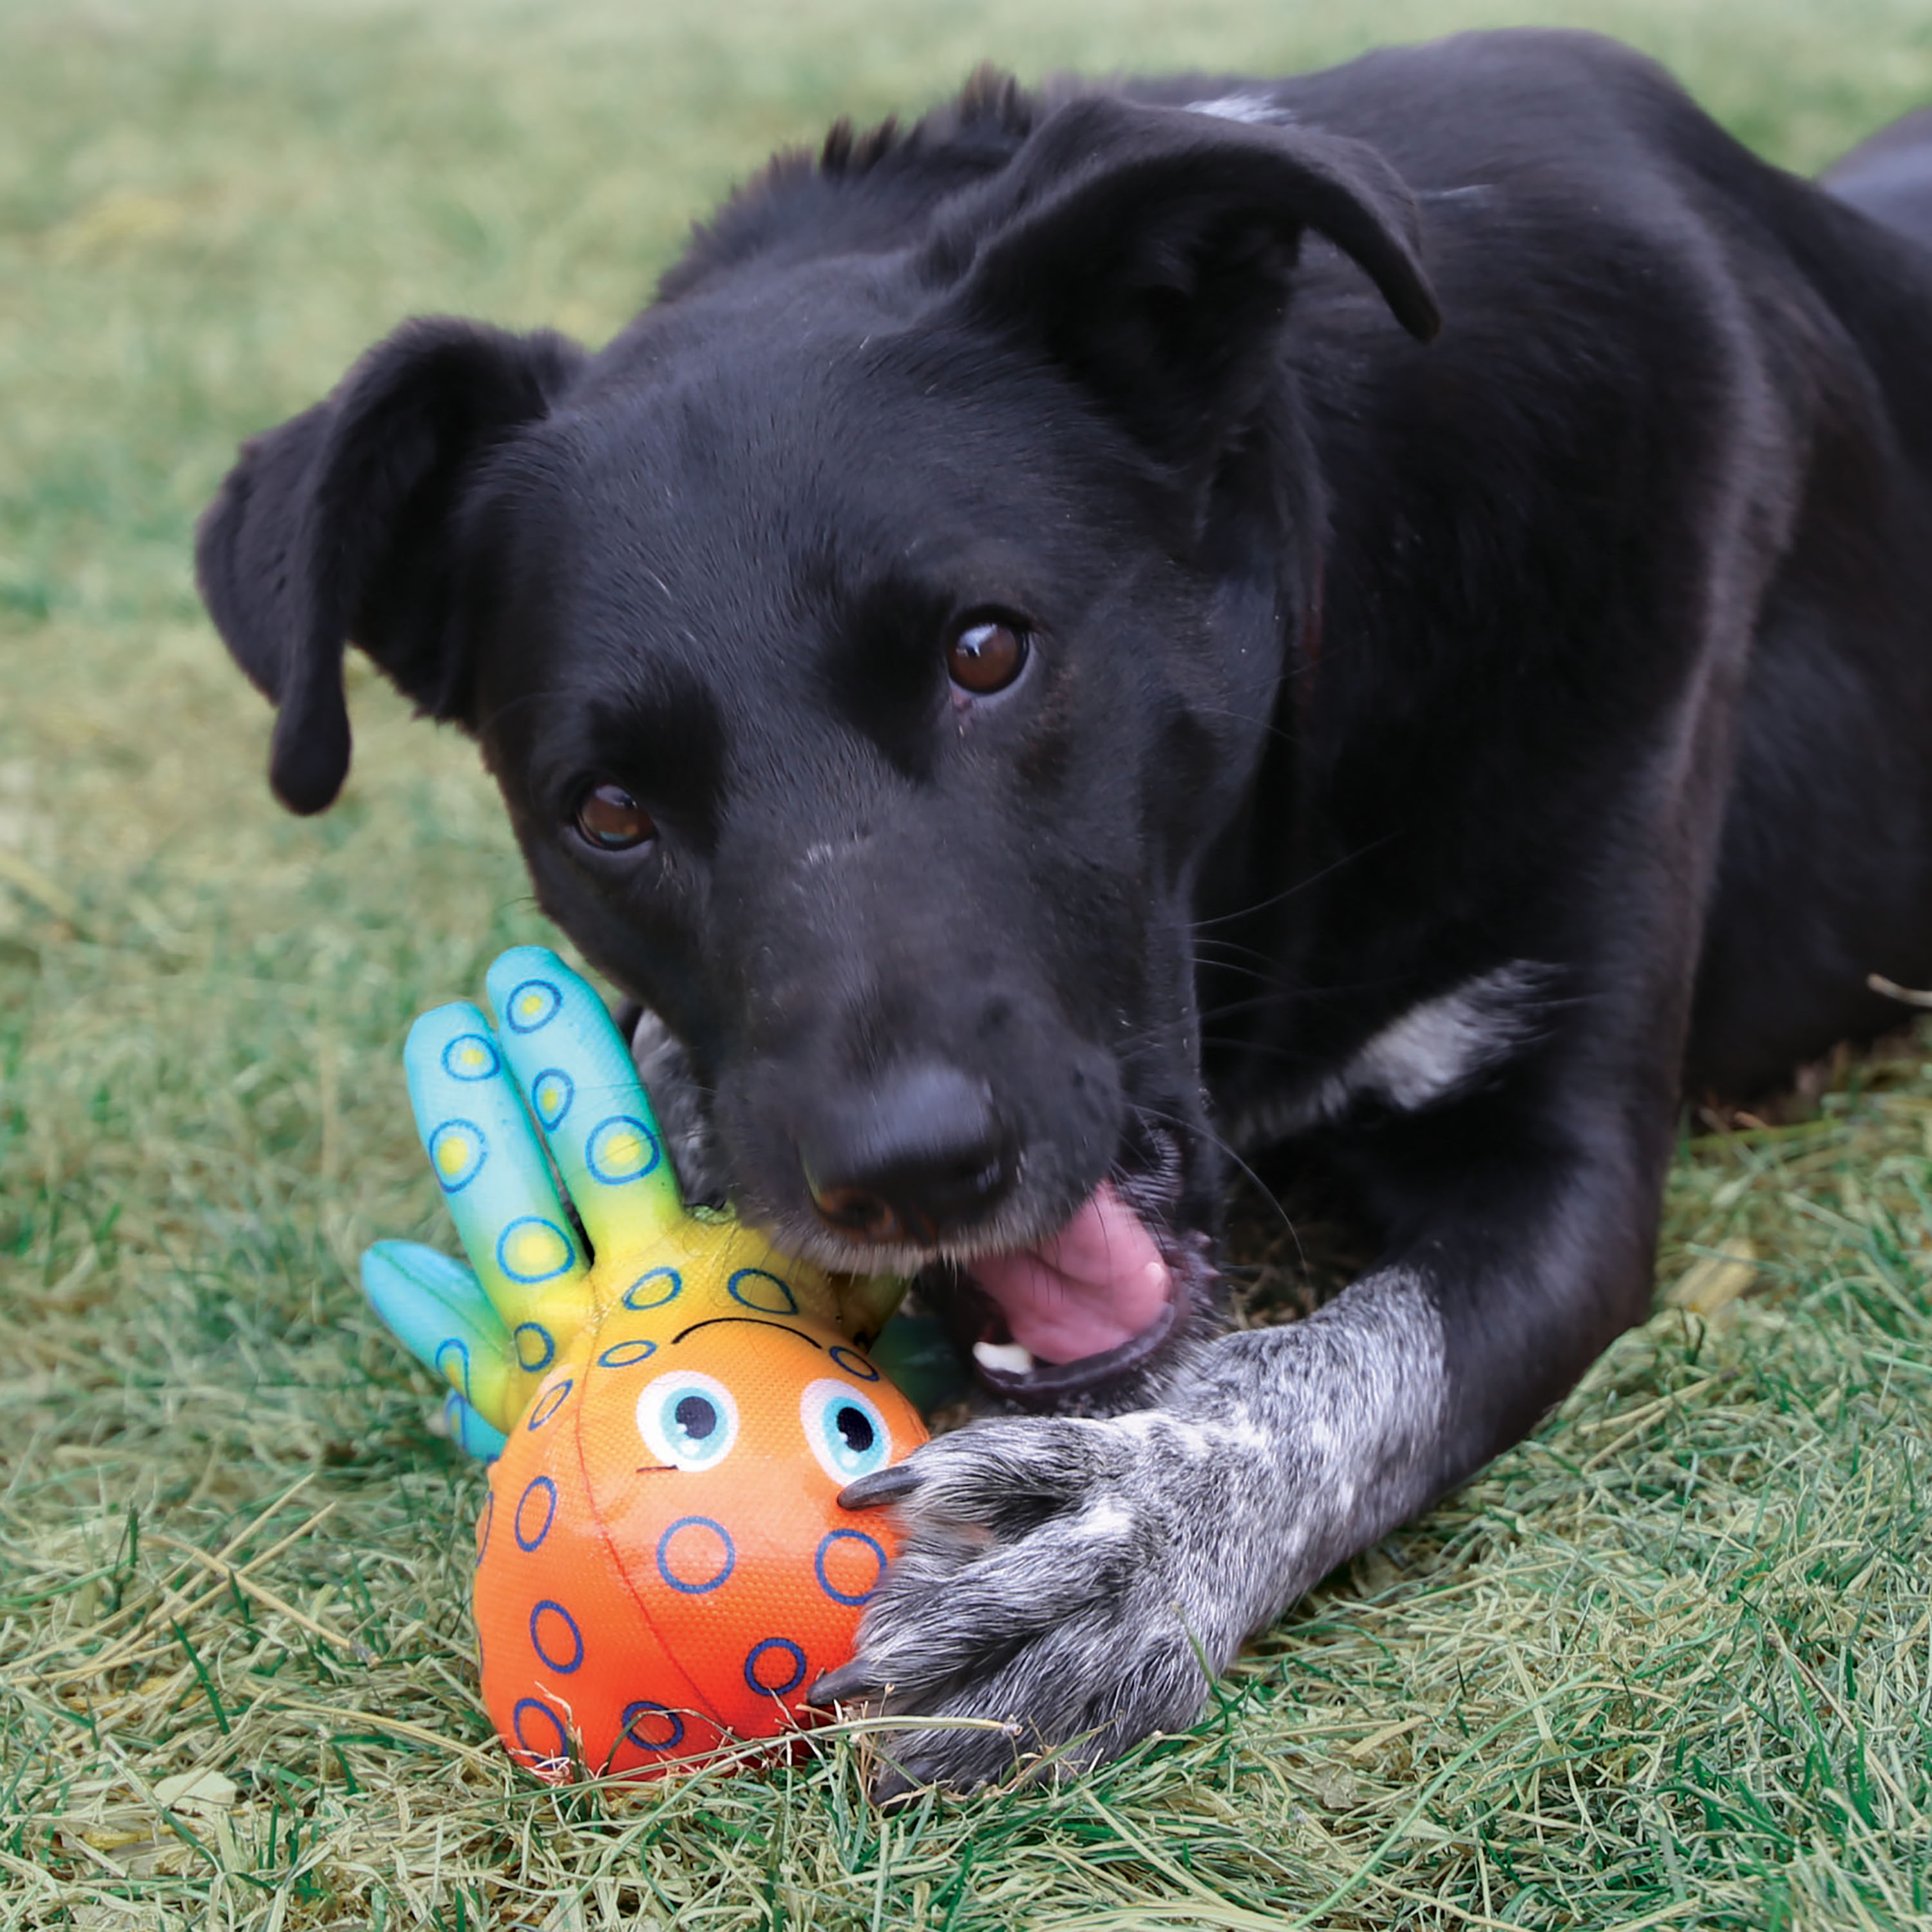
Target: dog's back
{"x":1889,"y":177}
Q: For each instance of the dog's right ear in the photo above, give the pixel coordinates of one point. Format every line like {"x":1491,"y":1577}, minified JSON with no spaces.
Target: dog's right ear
{"x":1151,"y":252}
{"x":338,"y":526}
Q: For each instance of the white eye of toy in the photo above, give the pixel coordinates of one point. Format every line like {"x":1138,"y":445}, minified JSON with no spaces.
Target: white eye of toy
{"x":844,"y":1431}
{"x":688,"y":1419}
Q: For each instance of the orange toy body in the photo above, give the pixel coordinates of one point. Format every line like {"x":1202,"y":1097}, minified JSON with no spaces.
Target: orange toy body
{"x":673,"y":1408}
{"x":648,"y":1586}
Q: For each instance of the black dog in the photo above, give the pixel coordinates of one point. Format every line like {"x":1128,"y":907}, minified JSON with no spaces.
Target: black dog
{"x":1394,"y":606}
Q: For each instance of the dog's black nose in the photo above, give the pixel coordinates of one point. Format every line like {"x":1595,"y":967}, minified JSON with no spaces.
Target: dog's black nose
{"x":922,"y":1153}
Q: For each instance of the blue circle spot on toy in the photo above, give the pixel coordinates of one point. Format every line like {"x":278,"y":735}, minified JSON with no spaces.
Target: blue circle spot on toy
{"x":539,"y":1715}
{"x":753,"y":1287}
{"x":483,"y":1523}
{"x":695,"y":1555}
{"x":549,"y":1404}
{"x":653,"y":1289}
{"x":456,"y":1347}
{"x":621,"y":1149}
{"x":536,"y":1347}
{"x":555,"y":1637}
{"x":627,"y":1354}
{"x":639,"y":1715}
{"x":854,"y":1364}
{"x":551,"y":1092}
{"x":470,"y":1056}
{"x":541,"y":1494}
{"x":531,"y":1005}
{"x":866,"y":1547}
{"x":775,"y":1666}
{"x":531,"y":1249}
{"x":457,"y":1151}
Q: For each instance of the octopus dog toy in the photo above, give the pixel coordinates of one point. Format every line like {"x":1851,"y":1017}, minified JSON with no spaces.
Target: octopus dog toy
{"x":670,"y":1407}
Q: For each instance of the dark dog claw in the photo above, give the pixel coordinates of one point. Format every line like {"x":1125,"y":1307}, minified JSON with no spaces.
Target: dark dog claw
{"x":887,"y":1486}
{"x":845,"y":1685}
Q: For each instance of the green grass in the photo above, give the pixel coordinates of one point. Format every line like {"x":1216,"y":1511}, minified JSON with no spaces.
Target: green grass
{"x":1668,"y":1664}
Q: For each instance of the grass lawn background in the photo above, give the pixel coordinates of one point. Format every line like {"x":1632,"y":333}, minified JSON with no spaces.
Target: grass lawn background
{"x":1668,"y":1664}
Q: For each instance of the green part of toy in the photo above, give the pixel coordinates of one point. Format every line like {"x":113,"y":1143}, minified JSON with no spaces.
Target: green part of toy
{"x":503,"y":1111}
{"x":918,"y":1358}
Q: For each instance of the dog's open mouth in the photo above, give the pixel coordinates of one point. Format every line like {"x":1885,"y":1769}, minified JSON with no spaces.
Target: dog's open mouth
{"x":1087,"y":1303}
{"x":1092,"y":1303}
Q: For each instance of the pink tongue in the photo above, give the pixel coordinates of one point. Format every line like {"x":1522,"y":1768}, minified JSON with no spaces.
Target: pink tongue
{"x":1096,"y":1284}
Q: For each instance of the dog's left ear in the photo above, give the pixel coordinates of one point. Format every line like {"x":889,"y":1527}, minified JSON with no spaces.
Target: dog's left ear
{"x":341,"y":524}
{"x":1151,"y":250}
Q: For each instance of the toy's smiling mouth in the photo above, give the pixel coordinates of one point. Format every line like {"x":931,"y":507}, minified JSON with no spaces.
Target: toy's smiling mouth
{"x":715,"y":1321}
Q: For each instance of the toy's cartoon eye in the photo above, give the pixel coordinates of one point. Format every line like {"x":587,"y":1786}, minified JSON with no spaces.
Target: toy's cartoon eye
{"x":846,"y":1432}
{"x":688,"y":1419}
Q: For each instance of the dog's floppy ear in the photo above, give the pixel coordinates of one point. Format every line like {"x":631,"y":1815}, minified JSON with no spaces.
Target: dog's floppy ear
{"x":1150,"y":250}
{"x":338,"y":526}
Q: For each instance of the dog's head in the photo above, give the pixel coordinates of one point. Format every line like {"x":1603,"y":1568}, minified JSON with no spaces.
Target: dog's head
{"x":871,"y":645}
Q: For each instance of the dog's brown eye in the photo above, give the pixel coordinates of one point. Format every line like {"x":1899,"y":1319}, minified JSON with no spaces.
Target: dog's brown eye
{"x":609,"y":818}
{"x":985,"y":657}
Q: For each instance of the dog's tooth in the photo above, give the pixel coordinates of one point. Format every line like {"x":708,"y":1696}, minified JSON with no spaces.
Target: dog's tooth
{"x":1005,"y":1358}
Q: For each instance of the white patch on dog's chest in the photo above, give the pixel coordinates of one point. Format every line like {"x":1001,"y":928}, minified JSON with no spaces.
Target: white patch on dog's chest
{"x":1433,"y":1051}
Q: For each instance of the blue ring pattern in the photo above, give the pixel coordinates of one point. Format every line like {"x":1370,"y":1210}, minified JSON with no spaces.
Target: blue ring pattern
{"x":791,"y":1683}
{"x":485,"y":1068}
{"x":522,"y":1222}
{"x":627,"y":1354}
{"x":549,"y":1489}
{"x":479,"y":1150}
{"x":825,"y":1582}
{"x":547,"y":998}
{"x":635,"y":1714}
{"x":557,"y":1664}
{"x":560,"y":1749}
{"x":551,"y":1092}
{"x":541,"y":1350}
{"x":677,"y":1583}
{"x":671,"y":1293}
{"x":459,"y":1383}
{"x":550,"y":1404}
{"x":788,"y":1305}
{"x":854,"y":1364}
{"x":615,"y":1174}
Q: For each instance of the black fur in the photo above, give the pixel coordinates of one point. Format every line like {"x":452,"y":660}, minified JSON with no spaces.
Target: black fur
{"x":1452,"y":745}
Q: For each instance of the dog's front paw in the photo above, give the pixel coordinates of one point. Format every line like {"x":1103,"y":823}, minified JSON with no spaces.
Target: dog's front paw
{"x":1057,"y":1578}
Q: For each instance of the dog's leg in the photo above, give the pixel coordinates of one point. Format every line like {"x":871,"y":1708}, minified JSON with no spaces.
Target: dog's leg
{"x":1083,"y":1580}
